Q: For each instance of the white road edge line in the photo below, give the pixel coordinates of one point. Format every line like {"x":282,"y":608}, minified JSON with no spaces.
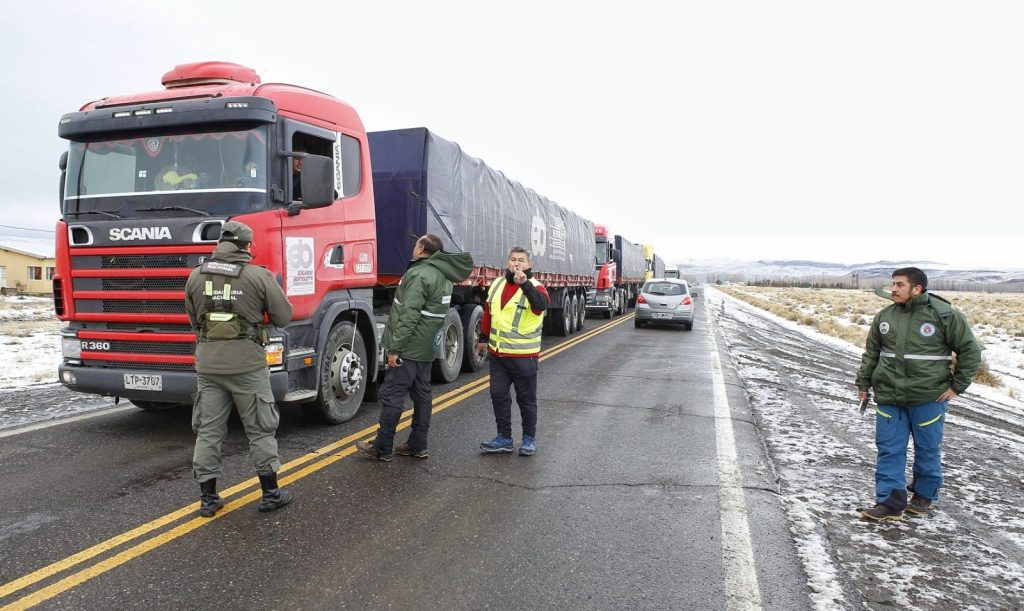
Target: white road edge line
{"x":741,"y":588}
{"x":60,"y":421}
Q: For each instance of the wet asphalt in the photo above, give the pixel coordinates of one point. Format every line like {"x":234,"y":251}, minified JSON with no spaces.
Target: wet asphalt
{"x":619,"y":507}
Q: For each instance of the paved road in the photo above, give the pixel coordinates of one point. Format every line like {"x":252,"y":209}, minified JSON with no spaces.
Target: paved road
{"x":632,"y":501}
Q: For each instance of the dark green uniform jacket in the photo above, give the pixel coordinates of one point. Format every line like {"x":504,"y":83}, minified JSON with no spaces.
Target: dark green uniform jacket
{"x":253,"y":292}
{"x":907,"y":359}
{"x":421,"y":304}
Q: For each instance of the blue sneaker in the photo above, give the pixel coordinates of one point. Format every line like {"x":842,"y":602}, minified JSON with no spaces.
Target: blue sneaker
{"x":498,"y":444}
{"x":528,"y":447}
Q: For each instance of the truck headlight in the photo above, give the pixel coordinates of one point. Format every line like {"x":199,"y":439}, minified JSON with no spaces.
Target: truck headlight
{"x":275,"y":354}
{"x":71,"y":347}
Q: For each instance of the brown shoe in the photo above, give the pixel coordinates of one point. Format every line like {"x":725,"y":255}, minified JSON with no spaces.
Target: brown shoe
{"x":919,"y":505}
{"x":403,"y":449}
{"x":366,"y":447}
{"x":881,"y":512}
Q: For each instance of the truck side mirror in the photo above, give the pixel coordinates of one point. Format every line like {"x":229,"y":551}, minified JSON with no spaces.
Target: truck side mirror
{"x":317,"y":181}
{"x":63,"y":165}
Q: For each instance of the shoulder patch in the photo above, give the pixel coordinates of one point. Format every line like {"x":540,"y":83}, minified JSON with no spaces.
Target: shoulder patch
{"x":927,"y":329}
{"x":883,"y":328}
{"x":221,"y":268}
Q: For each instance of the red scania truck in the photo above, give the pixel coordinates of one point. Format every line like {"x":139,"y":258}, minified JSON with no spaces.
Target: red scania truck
{"x":149,"y":179}
{"x":620,"y":268}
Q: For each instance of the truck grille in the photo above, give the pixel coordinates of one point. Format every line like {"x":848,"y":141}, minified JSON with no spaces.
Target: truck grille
{"x":144,"y":261}
{"x":144,"y":284}
{"x":157,"y":306}
{"x":147,"y":327}
{"x":135,"y":365}
{"x":143,"y":347}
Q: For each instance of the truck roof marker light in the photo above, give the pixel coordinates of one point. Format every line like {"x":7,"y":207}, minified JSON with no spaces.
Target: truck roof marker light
{"x":122,"y":114}
{"x":163,"y":111}
{"x":236,"y":105}
{"x":143,"y":112}
{"x":65,"y":120}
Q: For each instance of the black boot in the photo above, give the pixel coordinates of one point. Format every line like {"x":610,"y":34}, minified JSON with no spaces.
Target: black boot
{"x":209,"y":500}
{"x":273,"y":497}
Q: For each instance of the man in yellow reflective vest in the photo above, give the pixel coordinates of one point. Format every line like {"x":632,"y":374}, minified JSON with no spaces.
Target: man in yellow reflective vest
{"x":513,"y":316}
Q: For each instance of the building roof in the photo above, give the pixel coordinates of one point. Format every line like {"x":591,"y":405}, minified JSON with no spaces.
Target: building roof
{"x":32,"y":247}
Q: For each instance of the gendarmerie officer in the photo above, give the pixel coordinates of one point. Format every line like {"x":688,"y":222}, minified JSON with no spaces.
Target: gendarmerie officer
{"x":226,"y":299}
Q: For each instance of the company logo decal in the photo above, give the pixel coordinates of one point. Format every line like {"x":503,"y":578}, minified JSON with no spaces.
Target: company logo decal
{"x":118,"y":234}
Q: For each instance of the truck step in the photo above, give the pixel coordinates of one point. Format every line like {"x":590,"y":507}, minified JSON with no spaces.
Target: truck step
{"x":299,"y":395}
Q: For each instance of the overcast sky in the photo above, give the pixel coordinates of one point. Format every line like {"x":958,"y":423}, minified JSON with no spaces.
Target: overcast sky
{"x":831,"y":131}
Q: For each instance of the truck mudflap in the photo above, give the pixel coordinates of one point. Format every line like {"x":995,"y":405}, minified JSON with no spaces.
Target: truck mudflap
{"x":174,"y":386}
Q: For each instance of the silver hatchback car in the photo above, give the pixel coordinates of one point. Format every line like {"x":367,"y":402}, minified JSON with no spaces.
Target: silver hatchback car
{"x":664,"y":300}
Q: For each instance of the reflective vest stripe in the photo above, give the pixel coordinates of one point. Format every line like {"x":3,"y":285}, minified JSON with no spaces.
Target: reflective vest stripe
{"x":918,"y":357}
{"x":226,"y":293}
{"x":432,"y":315}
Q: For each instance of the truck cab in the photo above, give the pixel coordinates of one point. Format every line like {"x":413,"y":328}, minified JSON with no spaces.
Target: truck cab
{"x":147,"y":181}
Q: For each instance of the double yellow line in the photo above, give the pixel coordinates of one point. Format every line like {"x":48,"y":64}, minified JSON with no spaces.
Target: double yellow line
{"x":250,"y":490}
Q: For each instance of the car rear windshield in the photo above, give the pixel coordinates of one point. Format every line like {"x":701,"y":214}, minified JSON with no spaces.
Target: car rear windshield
{"x":663,"y":288}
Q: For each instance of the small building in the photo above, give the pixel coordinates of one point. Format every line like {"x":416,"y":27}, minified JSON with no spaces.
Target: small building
{"x":26,"y":266}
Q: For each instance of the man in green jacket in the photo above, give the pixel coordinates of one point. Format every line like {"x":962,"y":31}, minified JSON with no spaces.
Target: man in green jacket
{"x":908,"y":362}
{"x":225,"y":299}
{"x":411,"y":339}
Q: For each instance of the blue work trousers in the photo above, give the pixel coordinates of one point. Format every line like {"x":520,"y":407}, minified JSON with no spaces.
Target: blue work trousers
{"x":893,"y":428}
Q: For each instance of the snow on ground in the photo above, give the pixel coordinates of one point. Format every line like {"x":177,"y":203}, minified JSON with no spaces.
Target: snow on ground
{"x":30,"y":339}
{"x":968,"y":553}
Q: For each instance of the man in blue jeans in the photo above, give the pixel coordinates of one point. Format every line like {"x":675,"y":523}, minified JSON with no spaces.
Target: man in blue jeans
{"x":908,"y":362}
{"x":513,"y":317}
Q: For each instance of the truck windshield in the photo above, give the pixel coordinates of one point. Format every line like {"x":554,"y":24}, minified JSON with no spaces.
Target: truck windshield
{"x":219,"y":173}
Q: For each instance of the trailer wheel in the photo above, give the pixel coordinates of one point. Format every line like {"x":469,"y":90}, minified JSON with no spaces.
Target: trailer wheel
{"x":472,"y":317}
{"x":581,"y":313}
{"x":574,"y":314}
{"x":449,"y":355}
{"x":342,"y":376}
{"x":560,"y":318}
{"x":154,"y":406}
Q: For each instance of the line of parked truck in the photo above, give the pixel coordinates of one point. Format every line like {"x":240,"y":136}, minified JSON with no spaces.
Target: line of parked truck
{"x":149,"y":178}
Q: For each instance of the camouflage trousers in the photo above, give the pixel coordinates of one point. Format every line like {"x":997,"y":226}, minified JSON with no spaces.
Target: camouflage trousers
{"x":251,"y":395}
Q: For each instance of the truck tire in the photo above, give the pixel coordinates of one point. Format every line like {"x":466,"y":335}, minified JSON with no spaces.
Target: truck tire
{"x":472,"y":316}
{"x":560,"y":317}
{"x":343,"y":376}
{"x":581,"y":313}
{"x":154,"y":406}
{"x":574,"y":314}
{"x":449,"y":354}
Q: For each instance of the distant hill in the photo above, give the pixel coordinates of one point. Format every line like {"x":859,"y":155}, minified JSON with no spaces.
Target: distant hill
{"x":875,"y":273}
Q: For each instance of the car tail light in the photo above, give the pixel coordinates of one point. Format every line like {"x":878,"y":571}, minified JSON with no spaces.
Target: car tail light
{"x":687,"y":301}
{"x":640,"y":298}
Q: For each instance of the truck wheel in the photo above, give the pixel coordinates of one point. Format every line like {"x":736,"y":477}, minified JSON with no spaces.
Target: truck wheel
{"x":449,"y":354}
{"x":560,"y":318}
{"x":472,"y":316}
{"x":581,"y":313}
{"x":343,"y":376}
{"x":154,"y":406}
{"x":575,"y":313}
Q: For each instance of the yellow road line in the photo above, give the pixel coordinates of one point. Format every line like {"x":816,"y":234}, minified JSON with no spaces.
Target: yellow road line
{"x":447,"y":400}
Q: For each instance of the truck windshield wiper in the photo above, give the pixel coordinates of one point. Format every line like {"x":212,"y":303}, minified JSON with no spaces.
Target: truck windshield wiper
{"x":112,"y":215}
{"x":181,"y":208}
